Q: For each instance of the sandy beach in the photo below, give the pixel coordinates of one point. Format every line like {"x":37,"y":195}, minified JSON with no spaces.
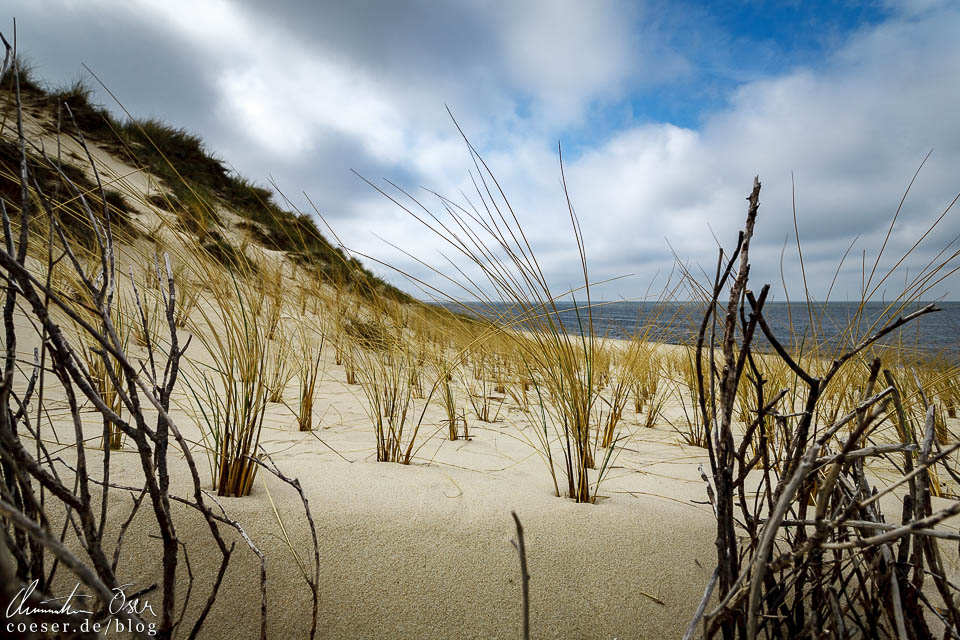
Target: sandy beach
{"x":291,"y":343}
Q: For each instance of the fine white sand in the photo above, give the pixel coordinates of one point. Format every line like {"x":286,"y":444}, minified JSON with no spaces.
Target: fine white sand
{"x":424,"y":550}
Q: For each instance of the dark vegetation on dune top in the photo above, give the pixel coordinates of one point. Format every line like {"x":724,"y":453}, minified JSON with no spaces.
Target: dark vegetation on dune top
{"x":196,"y":183}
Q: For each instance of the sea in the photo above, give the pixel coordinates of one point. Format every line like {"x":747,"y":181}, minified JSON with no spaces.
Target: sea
{"x":931,"y":335}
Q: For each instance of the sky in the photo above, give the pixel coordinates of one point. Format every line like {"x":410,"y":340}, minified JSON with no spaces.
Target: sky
{"x":664,"y":111}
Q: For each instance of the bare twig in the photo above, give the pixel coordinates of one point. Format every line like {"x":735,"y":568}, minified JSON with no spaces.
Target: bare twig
{"x":520,"y":546}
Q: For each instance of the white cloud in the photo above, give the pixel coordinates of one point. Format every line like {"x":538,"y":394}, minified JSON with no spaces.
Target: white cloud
{"x":307,"y":91}
{"x":288,"y":114}
{"x":564,"y":54}
{"x":853,"y":133}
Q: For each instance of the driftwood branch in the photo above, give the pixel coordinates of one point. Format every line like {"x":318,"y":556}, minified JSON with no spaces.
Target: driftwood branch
{"x":813,"y":555}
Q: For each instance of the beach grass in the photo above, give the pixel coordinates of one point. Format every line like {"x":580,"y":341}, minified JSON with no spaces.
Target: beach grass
{"x":259,"y":296}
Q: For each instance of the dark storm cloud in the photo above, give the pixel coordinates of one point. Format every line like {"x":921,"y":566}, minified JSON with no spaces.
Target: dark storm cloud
{"x":401,"y":40}
{"x":152,"y":71}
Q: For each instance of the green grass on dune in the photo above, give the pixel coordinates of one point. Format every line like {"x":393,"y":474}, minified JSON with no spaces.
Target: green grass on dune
{"x":197,"y":183}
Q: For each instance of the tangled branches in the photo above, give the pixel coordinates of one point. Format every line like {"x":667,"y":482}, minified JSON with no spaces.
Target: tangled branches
{"x":54,"y":512}
{"x":803,"y":547}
